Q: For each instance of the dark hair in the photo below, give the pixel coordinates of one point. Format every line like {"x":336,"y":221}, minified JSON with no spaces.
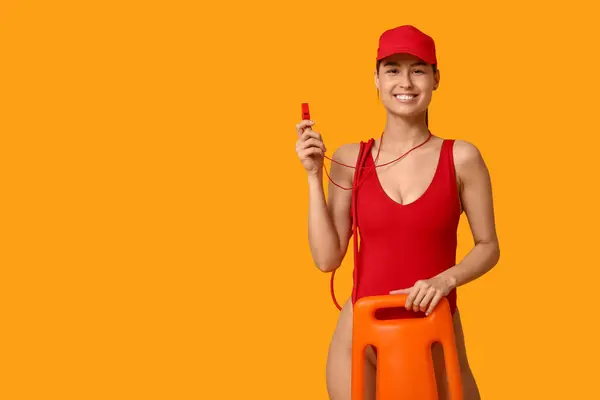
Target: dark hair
{"x":434,"y":66}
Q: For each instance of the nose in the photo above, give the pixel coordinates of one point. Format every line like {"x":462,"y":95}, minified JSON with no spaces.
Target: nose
{"x":404,"y":80}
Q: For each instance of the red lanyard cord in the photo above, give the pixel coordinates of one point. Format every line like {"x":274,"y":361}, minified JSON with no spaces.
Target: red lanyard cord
{"x":364,"y":152}
{"x":375,"y":163}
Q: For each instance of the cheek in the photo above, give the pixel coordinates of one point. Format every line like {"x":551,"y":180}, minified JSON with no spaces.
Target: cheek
{"x":385,"y":85}
{"x":426,"y":96}
{"x":424,"y":85}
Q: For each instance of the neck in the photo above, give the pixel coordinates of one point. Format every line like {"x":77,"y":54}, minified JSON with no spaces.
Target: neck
{"x":402,"y":133}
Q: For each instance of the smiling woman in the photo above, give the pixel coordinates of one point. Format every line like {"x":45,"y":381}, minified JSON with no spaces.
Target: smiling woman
{"x":408,"y":193}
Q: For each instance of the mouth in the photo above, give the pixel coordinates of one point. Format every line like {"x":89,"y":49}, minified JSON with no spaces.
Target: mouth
{"x":405,"y":98}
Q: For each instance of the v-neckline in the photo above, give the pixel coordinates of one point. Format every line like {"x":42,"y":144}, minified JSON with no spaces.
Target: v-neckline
{"x":427,"y":190}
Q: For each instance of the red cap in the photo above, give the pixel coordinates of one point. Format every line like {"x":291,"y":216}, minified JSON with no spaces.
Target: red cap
{"x":407,"y":39}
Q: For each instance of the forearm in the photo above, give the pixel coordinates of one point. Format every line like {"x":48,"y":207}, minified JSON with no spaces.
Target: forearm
{"x":322,"y":236}
{"x":482,"y":258}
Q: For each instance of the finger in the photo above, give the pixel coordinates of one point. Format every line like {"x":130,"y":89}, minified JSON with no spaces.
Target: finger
{"x":302,"y":125}
{"x":415,"y":306}
{"x":310,"y":134}
{"x":413,"y":294}
{"x":436,"y":299}
{"x":311,"y":151}
{"x":400,"y":291}
{"x":301,"y":148}
{"x":411,"y":297}
{"x":312,"y":142}
{"x":419,"y":297}
{"x":427,"y":299}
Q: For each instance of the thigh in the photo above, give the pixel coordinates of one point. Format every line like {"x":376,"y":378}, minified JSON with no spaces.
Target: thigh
{"x":470,"y":389}
{"x":339,"y":360}
{"x":461,"y":348}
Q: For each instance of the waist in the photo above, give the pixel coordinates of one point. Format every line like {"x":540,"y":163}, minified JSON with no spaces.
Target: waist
{"x":406,"y":249}
{"x":381,"y":269}
{"x":400,"y":273}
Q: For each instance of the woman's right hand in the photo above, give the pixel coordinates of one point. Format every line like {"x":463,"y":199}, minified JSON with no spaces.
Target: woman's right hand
{"x":310,"y":147}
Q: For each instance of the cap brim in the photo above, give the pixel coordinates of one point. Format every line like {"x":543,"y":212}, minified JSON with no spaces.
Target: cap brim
{"x":405,"y":51}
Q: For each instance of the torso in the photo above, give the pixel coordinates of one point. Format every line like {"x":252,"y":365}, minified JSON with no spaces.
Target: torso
{"x":405,"y":181}
{"x":408,"y":213}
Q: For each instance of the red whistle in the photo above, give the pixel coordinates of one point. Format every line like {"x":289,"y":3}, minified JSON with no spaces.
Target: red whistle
{"x":305,"y":112}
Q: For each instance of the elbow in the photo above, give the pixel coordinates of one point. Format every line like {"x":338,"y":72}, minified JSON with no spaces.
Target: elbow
{"x":495,"y":253}
{"x":328,"y":265}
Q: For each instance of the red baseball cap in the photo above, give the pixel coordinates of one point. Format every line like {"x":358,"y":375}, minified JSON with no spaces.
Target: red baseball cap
{"x":406,"y":39}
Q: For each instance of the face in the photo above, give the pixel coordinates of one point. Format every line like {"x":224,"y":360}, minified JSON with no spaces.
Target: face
{"x":406,"y":84}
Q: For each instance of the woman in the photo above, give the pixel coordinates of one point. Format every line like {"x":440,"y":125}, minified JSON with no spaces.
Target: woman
{"x":408,"y":208}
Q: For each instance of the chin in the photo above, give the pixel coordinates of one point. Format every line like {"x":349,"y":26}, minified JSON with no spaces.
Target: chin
{"x":405,"y":112}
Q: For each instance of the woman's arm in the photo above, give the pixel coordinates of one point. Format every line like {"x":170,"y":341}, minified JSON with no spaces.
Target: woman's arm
{"x":476,"y":196}
{"x":329,"y":222}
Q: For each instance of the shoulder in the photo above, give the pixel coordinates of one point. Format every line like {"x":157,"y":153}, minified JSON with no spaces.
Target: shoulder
{"x":468,"y":160}
{"x":347,"y":153}
{"x":466,"y":154}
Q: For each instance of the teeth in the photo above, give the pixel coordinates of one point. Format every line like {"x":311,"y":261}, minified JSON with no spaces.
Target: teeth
{"x":405,"y":96}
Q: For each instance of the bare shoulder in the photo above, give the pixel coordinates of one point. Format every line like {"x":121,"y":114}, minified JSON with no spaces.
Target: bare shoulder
{"x":347,"y":153}
{"x":468,"y":160}
{"x":466,"y":153}
{"x":469,"y":163}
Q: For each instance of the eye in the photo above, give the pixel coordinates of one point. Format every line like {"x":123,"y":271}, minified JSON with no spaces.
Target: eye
{"x":419,"y":71}
{"x":392,"y":71}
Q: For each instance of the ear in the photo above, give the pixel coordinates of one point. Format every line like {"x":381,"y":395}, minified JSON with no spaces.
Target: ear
{"x":376,"y":76}
{"x":436,"y":77}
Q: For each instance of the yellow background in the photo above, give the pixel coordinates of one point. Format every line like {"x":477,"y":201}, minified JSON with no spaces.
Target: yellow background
{"x":154,"y":212}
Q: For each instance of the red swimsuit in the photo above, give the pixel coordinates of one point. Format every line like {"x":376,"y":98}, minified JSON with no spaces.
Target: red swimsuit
{"x":400,"y":244}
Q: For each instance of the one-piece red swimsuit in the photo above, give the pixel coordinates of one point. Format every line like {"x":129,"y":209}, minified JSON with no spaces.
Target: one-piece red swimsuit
{"x":400,"y":244}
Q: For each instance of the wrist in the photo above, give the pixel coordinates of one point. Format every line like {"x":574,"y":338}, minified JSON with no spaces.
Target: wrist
{"x":315,"y":177}
{"x":453,"y":282}
{"x":450,"y":279}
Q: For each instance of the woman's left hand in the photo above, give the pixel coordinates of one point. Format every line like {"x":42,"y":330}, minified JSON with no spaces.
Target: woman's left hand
{"x":426,"y":294}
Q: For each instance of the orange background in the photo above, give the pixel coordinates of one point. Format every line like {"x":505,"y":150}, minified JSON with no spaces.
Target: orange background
{"x":154,"y":211}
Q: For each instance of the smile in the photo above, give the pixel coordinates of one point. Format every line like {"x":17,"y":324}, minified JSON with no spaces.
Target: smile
{"x":405,"y":97}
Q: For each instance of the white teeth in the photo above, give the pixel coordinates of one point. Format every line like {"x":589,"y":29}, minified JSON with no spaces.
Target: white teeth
{"x":405,"y":96}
